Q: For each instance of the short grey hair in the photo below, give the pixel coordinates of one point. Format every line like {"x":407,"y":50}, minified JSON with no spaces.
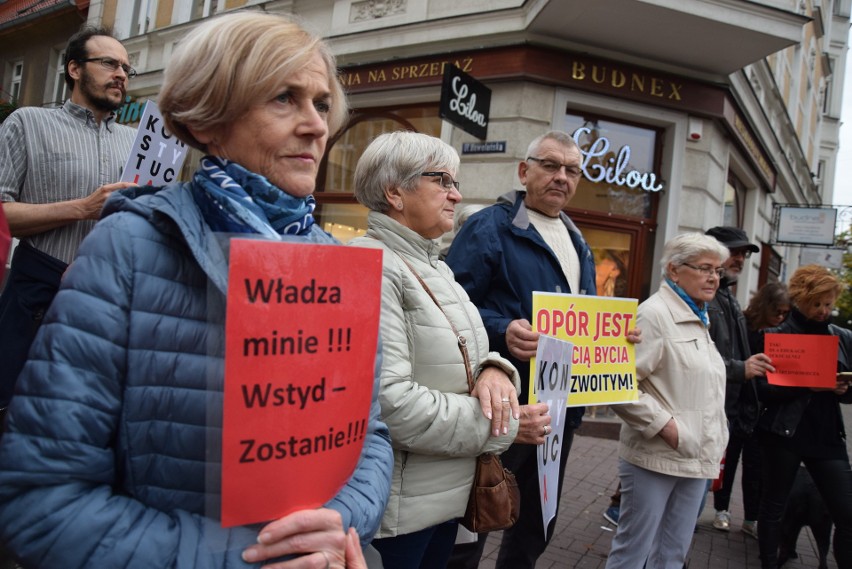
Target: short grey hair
{"x":559,"y":136}
{"x":396,"y":159}
{"x":687,"y":246}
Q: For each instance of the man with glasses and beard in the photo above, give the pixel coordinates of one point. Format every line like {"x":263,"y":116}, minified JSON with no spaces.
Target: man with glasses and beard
{"x":57,"y":167}
{"x":729,"y":331}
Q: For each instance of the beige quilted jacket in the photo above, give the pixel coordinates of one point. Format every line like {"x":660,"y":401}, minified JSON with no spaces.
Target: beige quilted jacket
{"x":436,"y":428}
{"x":681,"y":375}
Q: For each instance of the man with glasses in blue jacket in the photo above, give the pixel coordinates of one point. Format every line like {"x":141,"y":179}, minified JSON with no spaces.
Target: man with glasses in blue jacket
{"x":502,"y":254}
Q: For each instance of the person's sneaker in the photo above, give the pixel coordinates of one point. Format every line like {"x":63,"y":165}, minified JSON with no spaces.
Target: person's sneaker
{"x":611,"y":515}
{"x":722,"y":521}
{"x":750,"y":528}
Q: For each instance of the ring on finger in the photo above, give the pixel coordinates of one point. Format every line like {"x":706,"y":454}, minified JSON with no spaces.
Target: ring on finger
{"x":546,"y":430}
{"x":505,"y":400}
{"x":327,"y":561}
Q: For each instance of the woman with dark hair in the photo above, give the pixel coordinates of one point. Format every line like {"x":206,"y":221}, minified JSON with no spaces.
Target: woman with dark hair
{"x":768,"y":308}
{"x":804,"y":425}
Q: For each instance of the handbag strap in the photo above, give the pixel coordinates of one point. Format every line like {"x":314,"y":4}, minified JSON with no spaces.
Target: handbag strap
{"x":462,"y":341}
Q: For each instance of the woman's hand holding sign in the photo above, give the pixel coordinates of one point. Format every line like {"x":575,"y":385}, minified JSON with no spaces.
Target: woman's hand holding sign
{"x":317,"y":536}
{"x":534,"y":425}
{"x":498,"y":398}
{"x":521,"y":340}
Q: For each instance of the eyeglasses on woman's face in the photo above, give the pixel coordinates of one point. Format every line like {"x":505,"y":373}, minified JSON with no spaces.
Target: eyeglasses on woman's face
{"x":447,"y":183}
{"x":112,"y":65}
{"x":707,"y":270}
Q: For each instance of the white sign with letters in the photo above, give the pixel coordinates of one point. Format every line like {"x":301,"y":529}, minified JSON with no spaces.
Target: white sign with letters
{"x":806,"y":225}
{"x":552,"y":381}
{"x":157,"y":155}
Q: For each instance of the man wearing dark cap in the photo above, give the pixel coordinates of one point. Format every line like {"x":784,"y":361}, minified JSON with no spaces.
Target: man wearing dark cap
{"x":728,"y":330}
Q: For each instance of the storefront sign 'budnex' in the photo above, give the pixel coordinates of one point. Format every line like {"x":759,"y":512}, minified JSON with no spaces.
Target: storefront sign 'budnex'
{"x":465,"y":102}
{"x":601,"y":165}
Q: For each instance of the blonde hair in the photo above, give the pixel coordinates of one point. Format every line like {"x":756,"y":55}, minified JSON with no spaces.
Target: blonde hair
{"x":232,"y":62}
{"x":810,"y":282}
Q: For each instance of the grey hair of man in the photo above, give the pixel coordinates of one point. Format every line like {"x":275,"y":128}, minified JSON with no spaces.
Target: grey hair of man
{"x":396,"y":160}
{"x":687,"y":247}
{"x":559,"y":136}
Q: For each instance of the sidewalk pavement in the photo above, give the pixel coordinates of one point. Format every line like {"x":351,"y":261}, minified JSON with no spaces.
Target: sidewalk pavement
{"x":582,"y":536}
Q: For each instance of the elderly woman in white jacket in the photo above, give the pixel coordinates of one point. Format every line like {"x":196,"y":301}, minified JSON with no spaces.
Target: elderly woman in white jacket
{"x":673,"y":438}
{"x":438,"y":427}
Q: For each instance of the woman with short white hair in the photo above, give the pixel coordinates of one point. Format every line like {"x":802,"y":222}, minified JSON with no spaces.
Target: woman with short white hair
{"x":438,"y":426}
{"x":673,"y":437}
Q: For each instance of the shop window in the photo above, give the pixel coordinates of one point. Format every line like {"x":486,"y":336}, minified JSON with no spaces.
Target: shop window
{"x":338,"y":212}
{"x":616,"y":212}
{"x":621,"y":168}
{"x":612,"y":260}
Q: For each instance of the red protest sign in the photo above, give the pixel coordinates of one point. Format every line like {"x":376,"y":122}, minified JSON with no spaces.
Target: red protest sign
{"x":802,"y":360}
{"x":300,"y":346}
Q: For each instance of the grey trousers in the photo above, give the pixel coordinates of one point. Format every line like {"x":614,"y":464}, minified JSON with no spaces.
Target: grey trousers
{"x":657,"y":518}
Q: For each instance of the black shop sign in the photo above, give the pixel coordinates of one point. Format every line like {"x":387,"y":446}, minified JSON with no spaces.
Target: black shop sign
{"x":465,"y":102}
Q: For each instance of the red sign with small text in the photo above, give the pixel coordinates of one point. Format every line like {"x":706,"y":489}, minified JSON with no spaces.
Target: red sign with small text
{"x":802,"y":360}
{"x":300,"y":347}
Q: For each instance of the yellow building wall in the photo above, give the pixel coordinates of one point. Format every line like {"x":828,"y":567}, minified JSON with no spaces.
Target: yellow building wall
{"x":164,"y":14}
{"x":108,"y":18}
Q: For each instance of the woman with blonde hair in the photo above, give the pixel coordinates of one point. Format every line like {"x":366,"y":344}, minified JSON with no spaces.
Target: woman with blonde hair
{"x":805,"y":425}
{"x":112,"y":457}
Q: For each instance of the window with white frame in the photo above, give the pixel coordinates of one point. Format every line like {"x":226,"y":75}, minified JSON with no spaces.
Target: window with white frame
{"x":16,"y":79}
{"x":60,"y":89}
{"x":189,"y":10}
{"x":134,"y":17}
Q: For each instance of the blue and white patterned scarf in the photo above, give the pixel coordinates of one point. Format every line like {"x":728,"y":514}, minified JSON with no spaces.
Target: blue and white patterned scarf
{"x":700,"y":312}
{"x":234,"y":200}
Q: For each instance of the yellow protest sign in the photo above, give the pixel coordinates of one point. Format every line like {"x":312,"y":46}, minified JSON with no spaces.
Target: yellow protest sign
{"x":603,"y":370}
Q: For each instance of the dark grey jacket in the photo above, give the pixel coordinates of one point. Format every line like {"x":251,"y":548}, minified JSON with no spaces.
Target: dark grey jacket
{"x":730,"y":333}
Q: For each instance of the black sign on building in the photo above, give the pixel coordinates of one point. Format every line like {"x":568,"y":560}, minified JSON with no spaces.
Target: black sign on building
{"x":465,"y":102}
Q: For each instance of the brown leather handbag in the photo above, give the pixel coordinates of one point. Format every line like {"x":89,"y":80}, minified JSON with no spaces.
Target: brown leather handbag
{"x":495,"y":500}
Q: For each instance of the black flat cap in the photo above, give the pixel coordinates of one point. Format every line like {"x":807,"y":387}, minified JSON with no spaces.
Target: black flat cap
{"x":732,"y":238}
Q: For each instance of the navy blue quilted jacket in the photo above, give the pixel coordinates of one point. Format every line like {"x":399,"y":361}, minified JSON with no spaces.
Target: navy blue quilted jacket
{"x":111,"y":457}
{"x":499,"y":259}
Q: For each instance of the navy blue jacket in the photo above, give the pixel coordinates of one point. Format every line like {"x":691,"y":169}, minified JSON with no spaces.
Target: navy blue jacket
{"x":112,"y":452}
{"x":500,"y":259}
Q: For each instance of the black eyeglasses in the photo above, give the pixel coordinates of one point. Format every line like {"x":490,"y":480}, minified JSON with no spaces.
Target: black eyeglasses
{"x":707,"y":270}
{"x":447,"y":181}
{"x":112,"y":65}
{"x":552,"y":167}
